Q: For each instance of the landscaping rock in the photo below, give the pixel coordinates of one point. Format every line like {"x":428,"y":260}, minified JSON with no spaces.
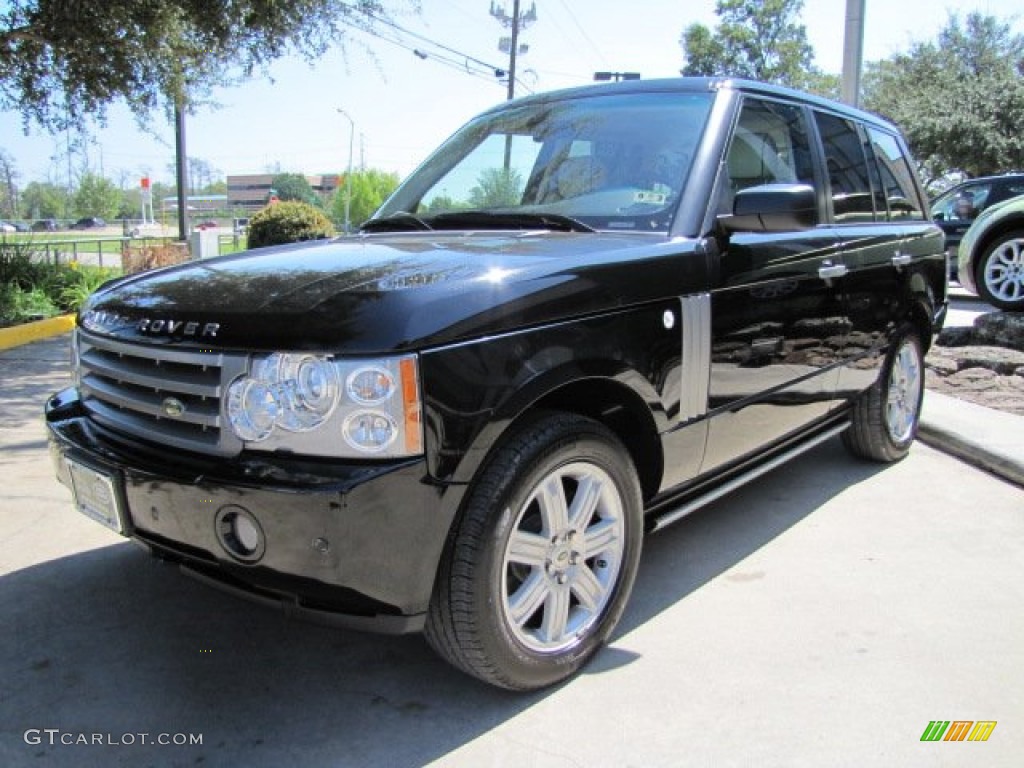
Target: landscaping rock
{"x":983,"y":364}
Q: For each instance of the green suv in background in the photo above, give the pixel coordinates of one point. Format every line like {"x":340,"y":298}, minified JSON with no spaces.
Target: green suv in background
{"x":990,"y":260}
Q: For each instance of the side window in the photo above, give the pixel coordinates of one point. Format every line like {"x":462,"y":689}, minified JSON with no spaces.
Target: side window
{"x":965,"y":204}
{"x":897,"y":177}
{"x":769,"y":146}
{"x":852,"y":196}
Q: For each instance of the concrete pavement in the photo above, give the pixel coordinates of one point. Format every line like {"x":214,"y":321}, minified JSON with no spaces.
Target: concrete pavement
{"x":822,"y":616}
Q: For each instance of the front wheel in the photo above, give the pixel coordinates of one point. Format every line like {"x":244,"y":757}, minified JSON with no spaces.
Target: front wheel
{"x":540,"y":565}
{"x":1000,"y":273}
{"x":885,"y":418}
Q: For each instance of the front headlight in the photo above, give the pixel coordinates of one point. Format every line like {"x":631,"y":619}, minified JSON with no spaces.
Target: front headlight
{"x":324,"y":406}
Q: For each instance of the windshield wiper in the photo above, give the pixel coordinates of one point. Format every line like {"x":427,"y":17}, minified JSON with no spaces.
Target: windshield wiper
{"x":507,"y":220}
{"x":399,"y":222}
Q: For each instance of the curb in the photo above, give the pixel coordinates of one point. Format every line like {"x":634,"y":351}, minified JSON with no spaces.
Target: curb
{"x":40,"y":329}
{"x":980,"y":436}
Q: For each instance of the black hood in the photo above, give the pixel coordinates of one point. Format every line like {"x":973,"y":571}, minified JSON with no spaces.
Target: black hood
{"x":383,"y":293}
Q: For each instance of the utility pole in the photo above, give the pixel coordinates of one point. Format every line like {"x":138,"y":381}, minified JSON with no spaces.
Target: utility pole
{"x":181,"y":169}
{"x":853,"y":51}
{"x":516,"y":22}
{"x":348,"y":173}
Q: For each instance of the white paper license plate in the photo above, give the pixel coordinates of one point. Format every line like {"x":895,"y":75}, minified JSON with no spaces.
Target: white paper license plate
{"x":96,"y":495}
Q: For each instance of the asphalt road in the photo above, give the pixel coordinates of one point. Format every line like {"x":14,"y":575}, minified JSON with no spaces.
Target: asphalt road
{"x":823,"y":616}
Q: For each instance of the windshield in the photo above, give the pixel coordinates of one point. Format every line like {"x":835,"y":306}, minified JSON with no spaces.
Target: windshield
{"x":606,"y":162}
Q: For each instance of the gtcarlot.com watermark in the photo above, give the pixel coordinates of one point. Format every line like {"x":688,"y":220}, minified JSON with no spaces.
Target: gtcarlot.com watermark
{"x":56,"y":737}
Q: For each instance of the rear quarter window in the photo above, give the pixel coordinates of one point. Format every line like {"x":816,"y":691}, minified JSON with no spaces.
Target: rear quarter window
{"x":897,"y":176}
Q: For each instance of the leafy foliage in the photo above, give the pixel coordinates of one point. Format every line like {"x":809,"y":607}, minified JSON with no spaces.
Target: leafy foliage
{"x":31,"y":287}
{"x":497,"y":188}
{"x":44,"y":200}
{"x":288,"y":222}
{"x":369,"y":187}
{"x":760,"y":40}
{"x":8,"y":187}
{"x":293,"y":186}
{"x":63,"y":59}
{"x":959,"y":99}
{"x":97,"y":196}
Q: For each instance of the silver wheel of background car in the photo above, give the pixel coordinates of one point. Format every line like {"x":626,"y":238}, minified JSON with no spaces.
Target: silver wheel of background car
{"x":1000,"y":272}
{"x":563,"y":557}
{"x":903,"y":399}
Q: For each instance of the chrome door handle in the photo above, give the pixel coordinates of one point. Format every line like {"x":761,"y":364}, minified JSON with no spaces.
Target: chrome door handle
{"x":828,"y":271}
{"x":902,"y":259}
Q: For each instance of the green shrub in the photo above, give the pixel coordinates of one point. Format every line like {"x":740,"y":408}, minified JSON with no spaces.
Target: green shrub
{"x":18,"y":305}
{"x":288,"y":222}
{"x":85,"y":280}
{"x":32,"y":288}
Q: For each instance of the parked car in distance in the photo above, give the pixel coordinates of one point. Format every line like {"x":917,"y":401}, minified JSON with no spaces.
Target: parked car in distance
{"x":990,"y":260}
{"x":45,"y":225}
{"x":89,"y":222}
{"x":957,"y":207}
{"x":209,"y":224}
{"x":587,"y":314}
{"x":6,"y":226}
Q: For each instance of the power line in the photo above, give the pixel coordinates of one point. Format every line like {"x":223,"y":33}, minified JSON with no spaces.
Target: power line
{"x":442,"y":46}
{"x":572,"y":17}
{"x":462,"y":65}
{"x":463,"y":62}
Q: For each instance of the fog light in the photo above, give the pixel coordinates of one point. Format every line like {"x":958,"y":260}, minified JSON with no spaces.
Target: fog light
{"x":240,"y":534}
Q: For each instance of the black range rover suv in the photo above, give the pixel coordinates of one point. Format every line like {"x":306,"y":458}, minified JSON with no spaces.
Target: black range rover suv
{"x":585,"y":315}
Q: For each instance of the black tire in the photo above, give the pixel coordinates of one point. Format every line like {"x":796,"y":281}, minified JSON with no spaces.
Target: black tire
{"x":527,"y":616}
{"x":999,"y":273}
{"x":885,"y":417}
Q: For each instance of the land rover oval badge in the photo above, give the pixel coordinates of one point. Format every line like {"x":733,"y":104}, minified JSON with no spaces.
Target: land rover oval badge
{"x":173,"y":407}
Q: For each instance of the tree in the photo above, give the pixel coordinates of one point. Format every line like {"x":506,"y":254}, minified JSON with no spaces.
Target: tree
{"x":760,"y":40}
{"x":8,"y":186}
{"x":293,"y":186}
{"x":370,"y":187}
{"x":959,"y":99}
{"x":61,"y":60}
{"x":97,"y":196}
{"x":44,"y":200}
{"x":497,"y":188}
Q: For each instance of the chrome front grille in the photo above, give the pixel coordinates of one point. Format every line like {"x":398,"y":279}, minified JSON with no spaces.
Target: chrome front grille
{"x":161,"y":395}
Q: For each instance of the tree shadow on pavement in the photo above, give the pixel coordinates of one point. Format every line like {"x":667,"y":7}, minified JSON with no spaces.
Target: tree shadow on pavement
{"x":112,"y":641}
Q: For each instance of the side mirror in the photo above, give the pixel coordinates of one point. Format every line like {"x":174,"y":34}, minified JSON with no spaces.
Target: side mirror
{"x":772,"y":208}
{"x":940,"y":217}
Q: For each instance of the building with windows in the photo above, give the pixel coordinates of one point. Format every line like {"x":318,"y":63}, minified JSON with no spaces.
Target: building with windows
{"x":252,"y":191}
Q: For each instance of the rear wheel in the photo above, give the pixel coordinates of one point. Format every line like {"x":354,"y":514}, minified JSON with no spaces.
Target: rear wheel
{"x":540,"y":566}
{"x":885,"y":418}
{"x":1000,"y":273}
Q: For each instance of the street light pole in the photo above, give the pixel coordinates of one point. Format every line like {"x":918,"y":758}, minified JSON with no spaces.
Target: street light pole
{"x":348,"y":174}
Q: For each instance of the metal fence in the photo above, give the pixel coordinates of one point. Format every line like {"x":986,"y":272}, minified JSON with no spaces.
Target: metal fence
{"x":109,"y":251}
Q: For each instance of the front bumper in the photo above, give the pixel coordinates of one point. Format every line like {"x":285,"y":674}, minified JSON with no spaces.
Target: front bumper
{"x":351,"y":544}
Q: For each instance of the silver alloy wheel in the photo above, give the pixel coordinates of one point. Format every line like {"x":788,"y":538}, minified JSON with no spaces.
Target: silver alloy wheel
{"x":904,"y":395}
{"x":562,"y":560}
{"x":1003,"y":271}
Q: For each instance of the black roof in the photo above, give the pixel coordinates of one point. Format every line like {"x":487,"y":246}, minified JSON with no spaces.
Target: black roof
{"x":696,"y":84}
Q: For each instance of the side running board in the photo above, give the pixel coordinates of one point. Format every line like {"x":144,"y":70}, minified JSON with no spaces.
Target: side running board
{"x":673,"y":515}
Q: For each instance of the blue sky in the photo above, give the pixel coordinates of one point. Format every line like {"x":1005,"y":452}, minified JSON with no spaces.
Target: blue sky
{"x":402,"y":105}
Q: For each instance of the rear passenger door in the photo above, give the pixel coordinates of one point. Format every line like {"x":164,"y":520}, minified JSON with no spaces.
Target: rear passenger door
{"x":870,"y":244}
{"x":881,"y":239}
{"x":778,"y":327}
